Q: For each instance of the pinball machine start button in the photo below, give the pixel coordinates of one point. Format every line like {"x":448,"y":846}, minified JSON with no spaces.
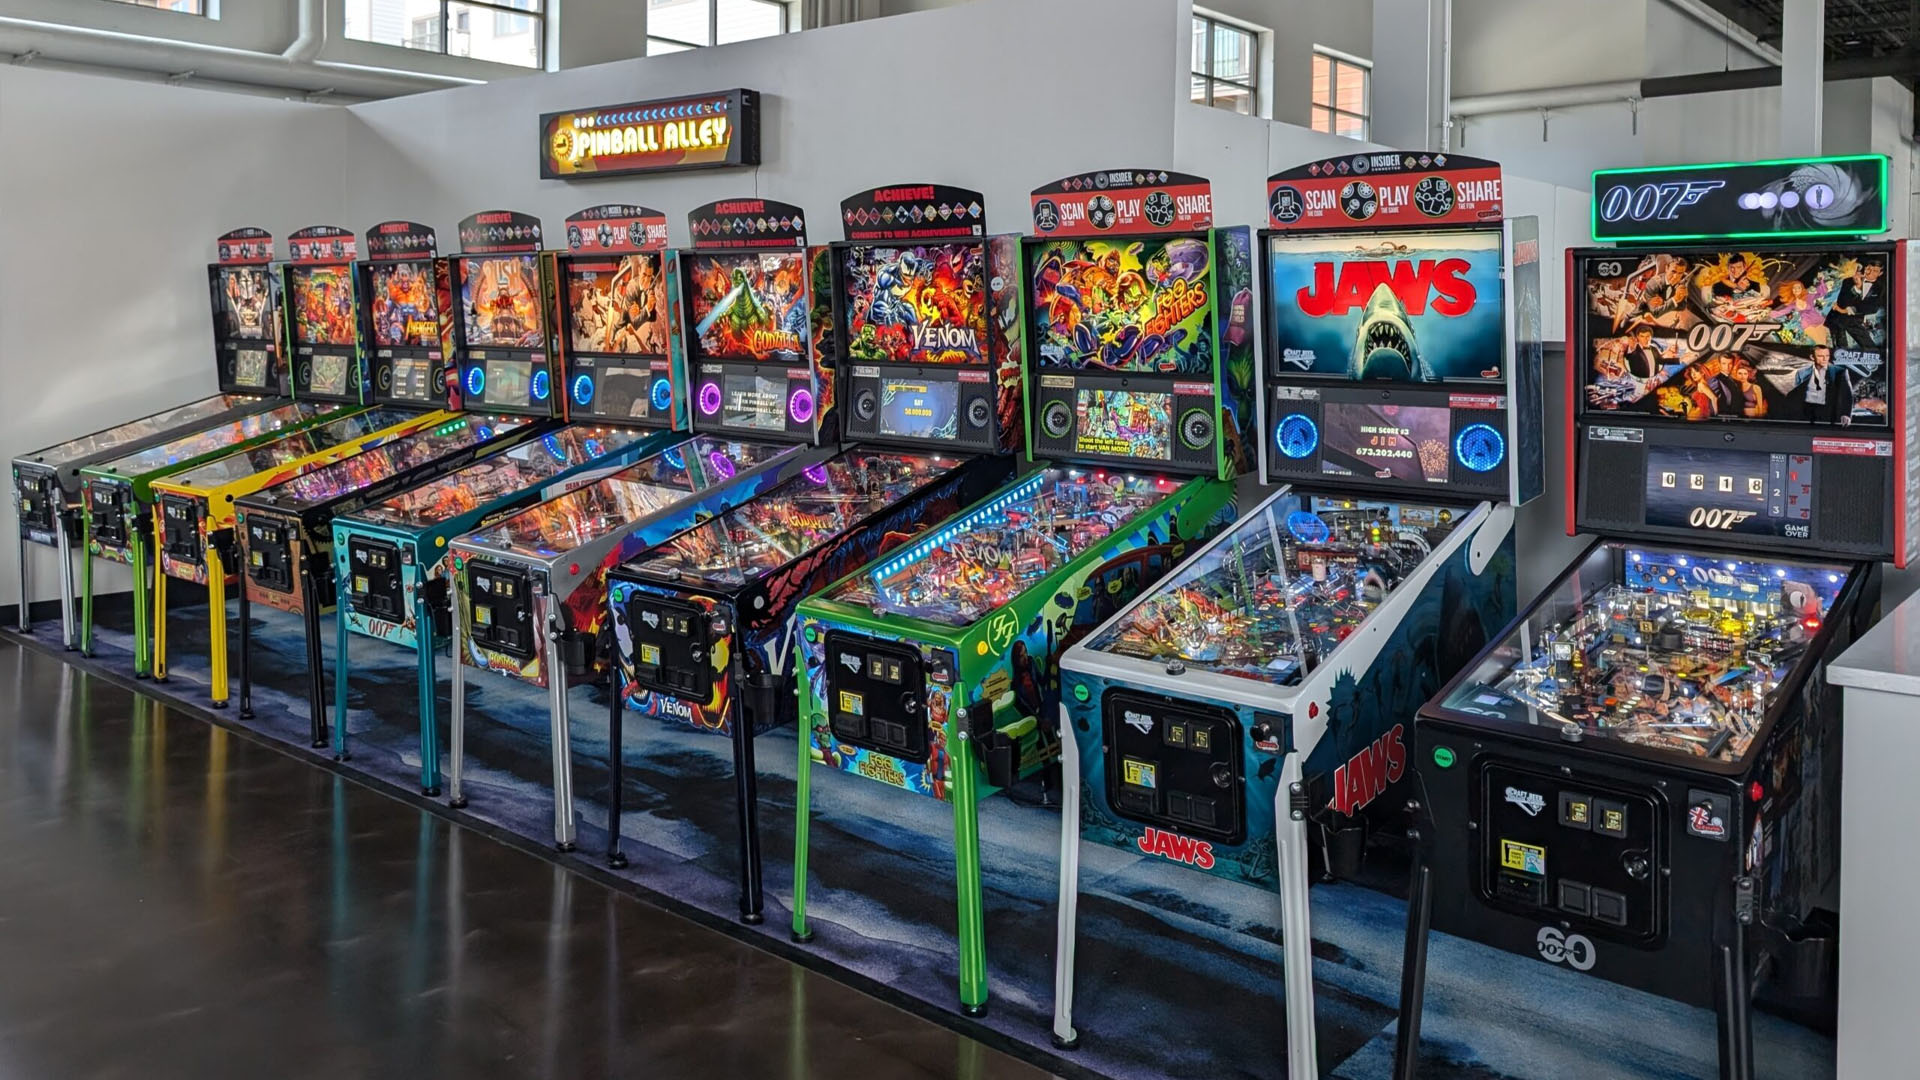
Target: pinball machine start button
{"x":1443,"y":757}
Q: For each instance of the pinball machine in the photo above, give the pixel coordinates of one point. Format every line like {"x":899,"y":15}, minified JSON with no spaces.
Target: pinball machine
{"x":117,"y":496}
{"x":529,"y":591}
{"x":1250,"y":711}
{"x":933,"y":669}
{"x":625,"y":399}
{"x":196,"y":512}
{"x":48,"y":483}
{"x":1638,"y":781}
{"x":926,"y":333}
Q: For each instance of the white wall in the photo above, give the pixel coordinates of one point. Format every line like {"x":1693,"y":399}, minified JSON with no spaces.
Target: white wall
{"x":829,"y":127}
{"x":103,"y":298}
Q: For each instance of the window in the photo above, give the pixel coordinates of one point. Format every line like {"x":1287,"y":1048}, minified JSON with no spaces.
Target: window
{"x":185,"y":7}
{"x":500,"y":31}
{"x":1225,"y":59}
{"x":677,"y":25}
{"x":1340,"y":104}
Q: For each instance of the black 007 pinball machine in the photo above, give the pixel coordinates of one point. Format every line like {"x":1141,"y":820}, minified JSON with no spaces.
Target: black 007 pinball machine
{"x":1639,"y":781}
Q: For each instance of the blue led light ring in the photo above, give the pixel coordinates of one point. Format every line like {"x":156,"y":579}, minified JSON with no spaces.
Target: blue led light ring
{"x":1297,"y":436}
{"x":583,"y":390}
{"x":1480,"y":447}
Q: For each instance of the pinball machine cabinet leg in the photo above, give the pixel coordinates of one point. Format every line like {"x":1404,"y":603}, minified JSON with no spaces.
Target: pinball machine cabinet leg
{"x":616,"y":771}
{"x":1733,"y":1003}
{"x":427,"y":685}
{"x":246,"y":644}
{"x":63,"y":544}
{"x":222,"y":690}
{"x":802,"y":822}
{"x":157,"y":631}
{"x":456,"y":708}
{"x":1068,"y":912}
{"x":746,"y":786}
{"x":1290,"y":847}
{"x":966,"y":854}
{"x":342,"y":641}
{"x":561,"y":738}
{"x":316,"y":656}
{"x":23,"y":622}
{"x":1413,"y":965}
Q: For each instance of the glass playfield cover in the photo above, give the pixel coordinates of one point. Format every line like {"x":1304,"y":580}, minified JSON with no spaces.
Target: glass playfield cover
{"x":1283,"y":589}
{"x":1654,"y":649}
{"x":376,"y":464}
{"x":765,"y":533}
{"x":244,"y":463}
{"x":99,"y":442}
{"x":982,"y":560}
{"x":582,"y":516}
{"x":188,"y":447}
{"x":497,"y":476}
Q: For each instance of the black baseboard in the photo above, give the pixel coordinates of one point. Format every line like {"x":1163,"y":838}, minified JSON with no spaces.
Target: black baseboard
{"x":103,"y":604}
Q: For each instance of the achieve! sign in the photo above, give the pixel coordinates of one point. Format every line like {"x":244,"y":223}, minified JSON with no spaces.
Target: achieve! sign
{"x":705,"y":131}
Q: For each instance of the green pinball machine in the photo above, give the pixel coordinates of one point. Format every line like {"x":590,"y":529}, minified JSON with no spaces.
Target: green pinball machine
{"x":934,"y":669}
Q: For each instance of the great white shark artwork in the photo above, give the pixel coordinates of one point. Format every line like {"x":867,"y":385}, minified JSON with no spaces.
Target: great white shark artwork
{"x":1384,"y":346}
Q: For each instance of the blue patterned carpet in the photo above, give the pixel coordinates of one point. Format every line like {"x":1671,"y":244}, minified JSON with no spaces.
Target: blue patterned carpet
{"x":1178,"y":972}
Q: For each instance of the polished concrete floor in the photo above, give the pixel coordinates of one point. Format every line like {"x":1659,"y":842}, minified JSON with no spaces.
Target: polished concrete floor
{"x":178,"y":900}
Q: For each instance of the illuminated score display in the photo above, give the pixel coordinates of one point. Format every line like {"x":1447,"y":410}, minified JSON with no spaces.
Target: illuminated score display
{"x":703,"y":131}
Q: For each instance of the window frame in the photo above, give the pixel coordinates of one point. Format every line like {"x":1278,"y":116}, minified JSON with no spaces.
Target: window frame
{"x":207,"y":7}
{"x":1215,"y":23}
{"x":713,"y":28}
{"x":539,"y":14}
{"x":1336,"y":60}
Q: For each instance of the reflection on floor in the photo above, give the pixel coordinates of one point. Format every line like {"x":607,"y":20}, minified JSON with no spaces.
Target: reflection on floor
{"x":1179,"y":974}
{"x":179,"y":900}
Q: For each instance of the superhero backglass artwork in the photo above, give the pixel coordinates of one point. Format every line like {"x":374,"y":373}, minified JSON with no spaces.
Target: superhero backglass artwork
{"x":618,"y":305}
{"x":405,"y":314}
{"x":750,"y":305}
{"x":1124,"y":305}
{"x":1738,"y":335}
{"x":920,"y":304}
{"x":322,"y":304}
{"x":500,"y":301}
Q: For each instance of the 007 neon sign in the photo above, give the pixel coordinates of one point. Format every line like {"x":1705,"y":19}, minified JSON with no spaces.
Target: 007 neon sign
{"x":1653,"y":202}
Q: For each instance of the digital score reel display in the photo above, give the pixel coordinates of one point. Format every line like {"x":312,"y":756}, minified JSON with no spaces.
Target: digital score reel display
{"x":1731,"y":491}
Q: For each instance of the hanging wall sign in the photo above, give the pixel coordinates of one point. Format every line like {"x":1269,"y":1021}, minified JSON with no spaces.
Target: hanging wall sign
{"x":702,"y":131}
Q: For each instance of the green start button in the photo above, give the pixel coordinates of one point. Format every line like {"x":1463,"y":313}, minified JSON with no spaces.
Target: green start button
{"x":1443,"y":757}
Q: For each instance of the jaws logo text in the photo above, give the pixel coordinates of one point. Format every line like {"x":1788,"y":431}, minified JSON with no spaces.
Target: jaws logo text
{"x":1181,"y":849}
{"x":1337,"y":290}
{"x":1366,"y":775}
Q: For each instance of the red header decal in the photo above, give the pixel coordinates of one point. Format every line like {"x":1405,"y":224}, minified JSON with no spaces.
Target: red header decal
{"x":499,"y":232}
{"x":322,"y":244}
{"x":1392,"y":189}
{"x":392,"y":241}
{"x":748,"y":223}
{"x":244,"y":247}
{"x":616,"y":228}
{"x":1121,"y":201}
{"x":914,"y":212}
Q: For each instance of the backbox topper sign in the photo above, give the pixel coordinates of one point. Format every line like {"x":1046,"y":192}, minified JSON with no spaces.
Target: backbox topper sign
{"x":244,"y":247}
{"x":748,"y":223}
{"x":616,"y":228}
{"x":701,"y":131}
{"x":322,"y":244}
{"x":1122,"y":201}
{"x":392,"y":241}
{"x":914,"y":212}
{"x":499,"y":232}
{"x":1386,"y":190}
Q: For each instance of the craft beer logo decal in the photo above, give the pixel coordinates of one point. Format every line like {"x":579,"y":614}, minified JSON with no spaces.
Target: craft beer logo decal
{"x":1573,"y":950}
{"x":1531,"y":802}
{"x":1367,"y":774}
{"x":1180,"y":849}
{"x":1341,"y":288}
